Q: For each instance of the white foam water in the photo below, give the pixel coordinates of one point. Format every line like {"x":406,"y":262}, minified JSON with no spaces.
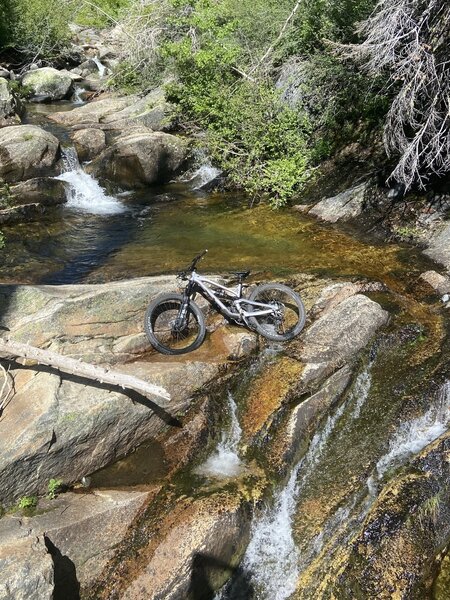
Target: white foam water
{"x":84,"y":193}
{"x":272,"y":556}
{"x":412,"y":436}
{"x":225,"y":461}
{"x":204,"y":175}
{"x":76,"y":98}
{"x":361,"y":390}
{"x":100,"y":66}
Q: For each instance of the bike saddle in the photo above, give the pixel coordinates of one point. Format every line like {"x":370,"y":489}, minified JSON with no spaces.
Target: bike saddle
{"x":241,"y":274}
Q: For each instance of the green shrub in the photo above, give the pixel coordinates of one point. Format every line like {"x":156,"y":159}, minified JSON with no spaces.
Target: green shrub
{"x":107,"y":12}
{"x":54,"y":487}
{"x":27,"y":502}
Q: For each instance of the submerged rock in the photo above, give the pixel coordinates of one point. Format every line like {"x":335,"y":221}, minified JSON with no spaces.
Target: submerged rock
{"x":48,"y":84}
{"x":344,"y":206}
{"x":141,"y":158}
{"x":440,"y":283}
{"x":26,"y":151}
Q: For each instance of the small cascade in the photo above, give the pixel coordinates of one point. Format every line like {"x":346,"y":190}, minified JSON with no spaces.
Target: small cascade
{"x":77,"y":98}
{"x":204,"y":175}
{"x":360,"y":391}
{"x":272,"y":558}
{"x":225,"y":461}
{"x":412,"y":436}
{"x":100,"y":66}
{"x":84,"y":193}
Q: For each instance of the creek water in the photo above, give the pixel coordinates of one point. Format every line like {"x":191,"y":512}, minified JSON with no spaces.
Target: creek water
{"x":388,"y":414}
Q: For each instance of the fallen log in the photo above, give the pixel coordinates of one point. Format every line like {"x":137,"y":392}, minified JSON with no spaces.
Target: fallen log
{"x":11,"y":349}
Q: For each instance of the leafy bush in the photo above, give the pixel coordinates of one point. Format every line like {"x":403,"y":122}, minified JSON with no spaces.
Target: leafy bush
{"x":27,"y":502}
{"x":100,"y":13}
{"x":54,"y":487}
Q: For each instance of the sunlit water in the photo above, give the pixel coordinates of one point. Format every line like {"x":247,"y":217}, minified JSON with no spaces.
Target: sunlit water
{"x":225,"y":460}
{"x":412,"y":436}
{"x":84,"y":193}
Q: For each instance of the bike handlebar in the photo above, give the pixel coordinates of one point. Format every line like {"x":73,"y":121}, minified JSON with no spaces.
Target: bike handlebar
{"x":193,"y":264}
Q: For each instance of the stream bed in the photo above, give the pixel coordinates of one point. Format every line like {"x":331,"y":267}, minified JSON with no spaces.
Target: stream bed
{"x":398,"y":402}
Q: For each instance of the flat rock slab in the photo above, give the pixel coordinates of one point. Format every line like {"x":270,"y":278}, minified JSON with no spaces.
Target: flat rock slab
{"x":80,"y":532}
{"x":439,"y":246}
{"x":94,"y":112}
{"x":344,"y":206}
{"x":96,"y":323}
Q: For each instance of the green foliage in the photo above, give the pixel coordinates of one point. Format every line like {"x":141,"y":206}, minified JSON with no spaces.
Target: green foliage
{"x":107,"y":12}
{"x":54,"y":487}
{"x":259,"y":141}
{"x":2,"y":240}
{"x":39,"y":28}
{"x":27,"y":502}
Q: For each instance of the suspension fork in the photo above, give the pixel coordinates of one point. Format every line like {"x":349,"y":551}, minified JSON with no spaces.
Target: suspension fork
{"x":182,"y":318}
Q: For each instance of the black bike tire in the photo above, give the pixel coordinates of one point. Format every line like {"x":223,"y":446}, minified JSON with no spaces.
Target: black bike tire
{"x":164,"y":298}
{"x":253,"y":321}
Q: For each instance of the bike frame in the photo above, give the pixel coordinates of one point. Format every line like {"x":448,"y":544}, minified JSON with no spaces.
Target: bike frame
{"x":206,"y":288}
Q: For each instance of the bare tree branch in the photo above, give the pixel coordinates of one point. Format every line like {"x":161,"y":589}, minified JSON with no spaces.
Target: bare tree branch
{"x":82,"y":369}
{"x":410,"y":42}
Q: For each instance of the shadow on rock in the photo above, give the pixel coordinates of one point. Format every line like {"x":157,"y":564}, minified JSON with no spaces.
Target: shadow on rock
{"x":206,"y":569}
{"x":67,"y":586}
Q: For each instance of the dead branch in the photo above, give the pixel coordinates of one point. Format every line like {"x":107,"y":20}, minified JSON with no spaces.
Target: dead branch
{"x":9,"y":348}
{"x":5,"y":388}
{"x":409,"y":41}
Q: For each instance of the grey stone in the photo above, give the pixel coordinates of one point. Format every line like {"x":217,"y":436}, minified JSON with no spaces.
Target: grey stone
{"x":439,"y":246}
{"x":25,"y":565}
{"x":48,"y":83}
{"x":344,"y":206}
{"x":81,"y":528}
{"x":94,"y":112}
{"x":440,"y":283}
{"x":9,"y":105}
{"x":26,"y":151}
{"x":89,"y":143}
{"x":141,"y":158}
{"x":292,"y":77}
{"x":45,"y":191}
{"x":339,"y":335}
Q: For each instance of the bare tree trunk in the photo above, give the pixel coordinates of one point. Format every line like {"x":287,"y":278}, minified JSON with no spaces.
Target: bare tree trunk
{"x":72,"y":366}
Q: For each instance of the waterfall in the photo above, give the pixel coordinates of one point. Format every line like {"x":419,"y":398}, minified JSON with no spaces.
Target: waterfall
{"x":76,"y":98}
{"x":272,"y":557}
{"x":84,"y":193}
{"x":101,"y":67}
{"x":205,"y":174}
{"x":412,"y":436}
{"x":225,"y":461}
{"x":361,"y":389}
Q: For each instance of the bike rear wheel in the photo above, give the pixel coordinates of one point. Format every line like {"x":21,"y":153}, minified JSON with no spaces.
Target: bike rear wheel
{"x":160,"y":321}
{"x":288,"y":317}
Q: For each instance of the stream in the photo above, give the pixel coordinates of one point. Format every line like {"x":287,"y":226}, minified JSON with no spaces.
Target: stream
{"x":399,"y":400}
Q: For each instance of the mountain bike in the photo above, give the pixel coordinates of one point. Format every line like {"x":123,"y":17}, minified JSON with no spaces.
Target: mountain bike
{"x":174,"y":323}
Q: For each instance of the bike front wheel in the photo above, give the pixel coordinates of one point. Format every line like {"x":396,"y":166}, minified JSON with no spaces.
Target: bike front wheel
{"x":288,"y":316}
{"x":161,"y":330}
